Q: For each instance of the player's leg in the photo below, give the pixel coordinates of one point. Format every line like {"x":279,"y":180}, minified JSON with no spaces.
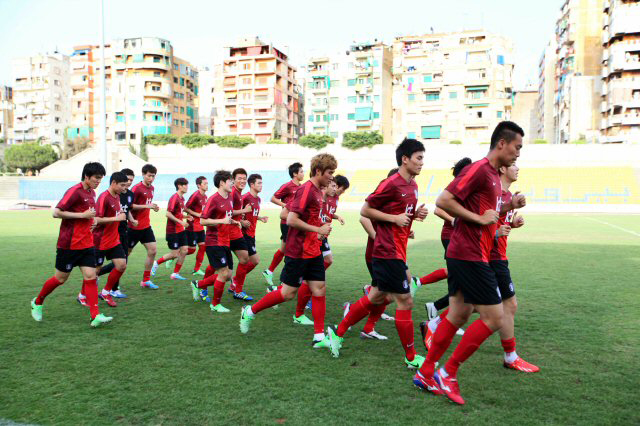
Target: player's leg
{"x":244,"y":269}
{"x":180,"y":258}
{"x":124,"y":242}
{"x":277,"y":256}
{"x":152,"y":250}
{"x":404,"y":327}
{"x":202,"y":249}
{"x":120,"y":265}
{"x":368,"y":331}
{"x":304,"y":297}
{"x":58,"y":278}
{"x":90,"y":289}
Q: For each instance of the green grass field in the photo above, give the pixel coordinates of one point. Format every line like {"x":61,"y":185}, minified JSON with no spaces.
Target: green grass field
{"x":168,"y":360}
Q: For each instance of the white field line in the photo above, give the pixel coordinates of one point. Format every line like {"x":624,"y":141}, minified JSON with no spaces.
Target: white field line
{"x":620,"y":228}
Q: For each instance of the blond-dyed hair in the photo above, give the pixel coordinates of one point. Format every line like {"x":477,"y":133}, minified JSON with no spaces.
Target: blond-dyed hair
{"x":322,"y":162}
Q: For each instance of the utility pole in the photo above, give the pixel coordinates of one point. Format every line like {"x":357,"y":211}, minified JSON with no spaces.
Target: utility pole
{"x":102,"y":149}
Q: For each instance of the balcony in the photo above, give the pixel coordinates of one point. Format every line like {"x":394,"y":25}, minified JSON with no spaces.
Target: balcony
{"x":631,"y":119}
{"x":603,"y":124}
{"x":164,"y":92}
{"x":152,"y":108}
{"x":475,"y":121}
{"x":603,"y":106}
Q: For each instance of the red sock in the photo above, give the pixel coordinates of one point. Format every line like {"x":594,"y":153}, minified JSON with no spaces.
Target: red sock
{"x":114,"y":277}
{"x":277,"y":258}
{"x":444,"y":313}
{"x":91,"y":291}
{"x":218,"y":289}
{"x":404,"y":326}
{"x":374,"y":317}
{"x":473,"y":337}
{"x":435,"y":276}
{"x":191,"y":250}
{"x":326,"y":265}
{"x":161,"y":260}
{"x":47,"y":288}
{"x":509,"y":345}
{"x":441,"y":341}
{"x":200,"y":256}
{"x":270,"y":299}
{"x":176,"y":268}
{"x":209,"y":281}
{"x":358,"y":310}
{"x":304,"y":294}
{"x":250,"y":267}
{"x":208,"y":272}
{"x":241,"y":274}
{"x":318,"y":309}
{"x":146,"y":276}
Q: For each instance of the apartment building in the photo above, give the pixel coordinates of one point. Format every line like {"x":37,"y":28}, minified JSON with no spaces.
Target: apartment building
{"x":620,"y":101}
{"x":41,"y":97}
{"x":210,"y":79}
{"x":349,"y":91}
{"x":524,"y":112}
{"x":259,"y":96}
{"x":545,"y":123}
{"x":185,"y":98}
{"x":451,"y":86}
{"x":6,"y":114}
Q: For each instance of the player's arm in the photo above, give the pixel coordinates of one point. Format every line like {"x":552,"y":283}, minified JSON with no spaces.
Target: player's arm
{"x":447,"y":202}
{"x":61,"y":214}
{"x":443,"y":215}
{"x":277,"y":201}
{"x":117,"y":218}
{"x":517,"y":221}
{"x":369,"y":212}
{"x":518,"y":201}
{"x":215,"y":222}
{"x":192,"y":213}
{"x":338,"y":218}
{"x":294,"y":221}
{"x":368,"y":227}
{"x":173,"y":218}
{"x":245,"y":209}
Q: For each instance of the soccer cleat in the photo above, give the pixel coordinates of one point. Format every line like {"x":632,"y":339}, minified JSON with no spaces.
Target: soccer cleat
{"x":195,"y":291}
{"x":242,"y":296}
{"x":449,"y":385}
{"x":366,"y":289}
{"x":245,"y":319}
{"x":320,"y":344}
{"x":169,"y":263}
{"x":414,"y":286}
{"x":416,"y":363}
{"x":36,"y":310}
{"x":269,"y":290}
{"x":107,"y":298}
{"x":219,"y":308}
{"x":176,"y":276}
{"x":335,"y":342}
{"x":428,"y":384}
{"x":387,"y":317}
{"x":302,"y":320}
{"x":372,"y":335}
{"x":118,"y":294}
{"x":427,"y":335}
{"x":82,"y":301}
{"x":268,"y":276}
{"x":199,"y":273}
{"x":154,"y":268}
{"x":432,"y":312}
{"x":204,"y":295}
{"x":520,"y":365}
{"x":148,"y":284}
{"x":308,"y":305}
{"x":99,"y":320}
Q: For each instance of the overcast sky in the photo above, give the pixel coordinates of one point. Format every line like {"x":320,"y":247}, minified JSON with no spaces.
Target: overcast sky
{"x":199,"y":29}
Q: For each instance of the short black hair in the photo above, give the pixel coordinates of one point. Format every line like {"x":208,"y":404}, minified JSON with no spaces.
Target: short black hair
{"x":221,"y":176}
{"x":238,"y":171}
{"x":392,"y":172}
{"x":294,"y":169}
{"x":199,"y":180}
{"x":93,"y":169}
{"x":128,"y":172}
{"x":506,"y":130}
{"x":341,"y":181}
{"x":461,"y":164}
{"x":118,"y":177}
{"x":180,"y":181}
{"x":407,"y":148}
{"x":253,"y":178}
{"x":149,"y":168}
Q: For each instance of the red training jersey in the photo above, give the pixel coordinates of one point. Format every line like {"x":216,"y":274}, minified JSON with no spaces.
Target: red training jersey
{"x":329,"y":207}
{"x":478,"y":189}
{"x":447,"y":230}
{"x":499,"y":251}
{"x":218,"y":207}
{"x":142,"y":195}
{"x":175,"y":207}
{"x":75,"y":234}
{"x":106,"y":236}
{"x":286,"y":193}
{"x":393,"y":195}
{"x":196,"y":203}
{"x":307,"y":203}
{"x":368,"y":253}
{"x":252,"y":217}
{"x":236,"y":197}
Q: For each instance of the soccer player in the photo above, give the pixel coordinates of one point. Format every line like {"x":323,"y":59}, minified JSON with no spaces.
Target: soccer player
{"x":237,"y":242}
{"x":474,"y":199}
{"x":282,"y":196}
{"x":249,"y":221}
{"x":393,"y":206}
{"x":142,"y":231}
{"x":175,"y":231}
{"x":109,"y":215}
{"x":303,"y":258}
{"x":195,"y":230}
{"x":218,"y":218}
{"x":75,"y":243}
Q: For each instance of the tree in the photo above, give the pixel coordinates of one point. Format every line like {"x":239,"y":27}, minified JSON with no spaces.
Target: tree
{"x":540,"y":141}
{"x":160,"y":139}
{"x":357,"y":140}
{"x":195,"y":140}
{"x":233,"y":141}
{"x":72,"y":147}
{"x":276,"y":142}
{"x":315,"y":141}
{"x":29,"y":156}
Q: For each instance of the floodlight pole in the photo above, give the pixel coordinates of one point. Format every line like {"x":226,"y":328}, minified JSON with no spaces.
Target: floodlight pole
{"x":102,"y":149}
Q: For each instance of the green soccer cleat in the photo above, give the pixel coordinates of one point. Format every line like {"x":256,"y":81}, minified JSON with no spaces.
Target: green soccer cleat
{"x":199,"y":273}
{"x":36,"y":310}
{"x":219,"y":308}
{"x":245,"y":319}
{"x":335,"y":342}
{"x":416,"y":363}
{"x":302,"y":320}
{"x":195,"y":291}
{"x":169,"y":263}
{"x":414,"y":286}
{"x":99,"y":320}
{"x":268,"y":276}
{"x":320,"y":344}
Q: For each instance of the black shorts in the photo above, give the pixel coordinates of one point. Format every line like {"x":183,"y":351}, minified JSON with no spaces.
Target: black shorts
{"x":251,"y":245}
{"x":503,"y":275}
{"x":370,"y":268}
{"x":325,"y":248}
{"x":67,"y":259}
{"x":219,"y":257}
{"x":115,"y":252}
{"x":238,"y":244}
{"x":476,"y":281}
{"x":284,"y":230}
{"x":390,"y":275}
{"x":296,"y":270}
{"x":175,"y":241}
{"x":143,"y":236}
{"x":195,"y":238}
{"x":445,"y":244}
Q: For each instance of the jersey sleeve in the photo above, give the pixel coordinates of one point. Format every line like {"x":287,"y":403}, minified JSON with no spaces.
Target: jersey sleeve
{"x":68,"y":200}
{"x":101,"y":207}
{"x":191,"y":201}
{"x":468,"y":181}
{"x":207,"y":210}
{"x":282,"y":192}
{"x":300,"y":201}
{"x":383,"y":194}
{"x":137,"y":194}
{"x":173,"y":205}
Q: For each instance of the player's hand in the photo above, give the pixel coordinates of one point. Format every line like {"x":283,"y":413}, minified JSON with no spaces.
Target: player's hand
{"x":421,"y":213}
{"x":264,"y":219}
{"x":94,"y":223}
{"x":325,"y":230}
{"x":503,"y":231}
{"x":517,"y":221}
{"x":228,"y":220}
{"x":412,"y":235}
{"x":489,"y":217}
{"x":121,"y":217}
{"x":247,"y":209}
{"x":236,"y":223}
{"x":341,"y":220}
{"x":155,"y":207}
{"x":89,"y":214}
{"x":402,"y":220}
{"x":245,"y":224}
{"x":134,"y":222}
{"x":185,"y":223}
{"x":518,"y":201}
{"x":190,"y":218}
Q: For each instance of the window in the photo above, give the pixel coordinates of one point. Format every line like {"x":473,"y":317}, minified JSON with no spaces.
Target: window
{"x":132,"y":136}
{"x":433,"y":96}
{"x":428,"y":78}
{"x":351,"y":82}
{"x":431,"y":132}
{"x":311,"y":119}
{"x":246,"y":80}
{"x":412,"y":97}
{"x":453,"y":95}
{"x":334,"y":134}
{"x":181,"y":81}
{"x":352,"y":99}
{"x":156,"y":73}
{"x":499,"y":114}
{"x":176,"y":122}
{"x":57,"y":119}
{"x":120,"y":117}
{"x":182,"y":123}
{"x":376,"y":115}
{"x":155,"y":88}
{"x":120,"y":136}
{"x":335,"y":83}
{"x":351,"y":116}
{"x":334,"y":101}
{"x":132,"y":103}
{"x":176,"y":109}
{"x":325,"y":117}
{"x":132,"y":117}
{"x":411,"y":135}
{"x":79,"y":104}
{"x":376,"y":98}
{"x":175,"y":80}
{"x":246,"y":125}
{"x":333,"y":117}
{"x":181,"y":110}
